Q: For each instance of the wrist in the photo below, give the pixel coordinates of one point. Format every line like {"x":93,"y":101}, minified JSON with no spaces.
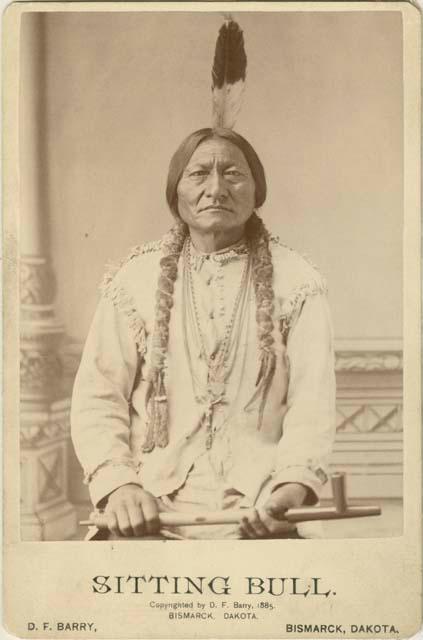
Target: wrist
{"x":103,"y":502}
{"x":296,"y":493}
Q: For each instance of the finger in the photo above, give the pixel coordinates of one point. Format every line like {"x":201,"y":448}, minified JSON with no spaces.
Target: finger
{"x":243,"y":528}
{"x":246,"y":528}
{"x":258,"y":525}
{"x":151,"y":515}
{"x":112,"y":523}
{"x":253,"y":528}
{"x":276,"y":510}
{"x":123,"y":521}
{"x":275,"y":526}
{"x":136,"y":519}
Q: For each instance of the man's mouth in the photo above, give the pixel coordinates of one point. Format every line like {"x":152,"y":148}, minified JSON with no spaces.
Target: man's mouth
{"x":216,"y":207}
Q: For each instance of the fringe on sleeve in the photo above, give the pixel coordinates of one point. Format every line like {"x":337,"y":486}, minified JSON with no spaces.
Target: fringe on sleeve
{"x":291,"y":306}
{"x":312,"y":284}
{"x":113,"y":289}
{"x":112,"y":462}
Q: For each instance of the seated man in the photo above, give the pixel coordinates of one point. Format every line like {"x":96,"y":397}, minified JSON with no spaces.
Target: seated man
{"x":207,"y":379}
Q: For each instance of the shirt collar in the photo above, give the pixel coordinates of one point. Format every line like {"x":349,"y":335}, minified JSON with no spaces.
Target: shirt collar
{"x":235,"y":251}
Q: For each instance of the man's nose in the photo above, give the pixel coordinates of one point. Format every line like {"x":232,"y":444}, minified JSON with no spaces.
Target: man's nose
{"x":216,"y":185}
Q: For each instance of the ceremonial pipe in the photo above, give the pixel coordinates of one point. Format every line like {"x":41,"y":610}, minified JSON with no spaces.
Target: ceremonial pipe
{"x":174,"y":519}
{"x":304,"y":514}
{"x":339,"y":511}
{"x":329,"y":513}
{"x":339,"y":492}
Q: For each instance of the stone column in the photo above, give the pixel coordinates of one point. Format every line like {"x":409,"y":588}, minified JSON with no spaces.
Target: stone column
{"x":46,"y":513}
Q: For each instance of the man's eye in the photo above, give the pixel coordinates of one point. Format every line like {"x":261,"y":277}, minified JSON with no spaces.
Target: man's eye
{"x":200,"y":172}
{"x":233,"y":172}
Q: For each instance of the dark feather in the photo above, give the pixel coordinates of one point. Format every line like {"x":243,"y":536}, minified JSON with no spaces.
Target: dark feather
{"x":228,"y":74}
{"x":230,"y":60}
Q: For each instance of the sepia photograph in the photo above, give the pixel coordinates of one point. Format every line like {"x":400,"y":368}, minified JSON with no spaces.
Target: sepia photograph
{"x":202,"y":378}
{"x":211,"y":250}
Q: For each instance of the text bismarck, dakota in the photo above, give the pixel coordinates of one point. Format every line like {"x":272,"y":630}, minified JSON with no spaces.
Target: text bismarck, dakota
{"x":340,"y":629}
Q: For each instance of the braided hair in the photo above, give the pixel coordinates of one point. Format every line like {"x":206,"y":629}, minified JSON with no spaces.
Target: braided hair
{"x":172,"y":245}
{"x":262,"y":269}
{"x":156,"y":398}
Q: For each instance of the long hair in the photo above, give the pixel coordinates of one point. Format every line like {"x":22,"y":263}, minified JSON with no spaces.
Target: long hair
{"x":172,"y":245}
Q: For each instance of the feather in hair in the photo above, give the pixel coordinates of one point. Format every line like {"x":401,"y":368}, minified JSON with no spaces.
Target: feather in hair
{"x":228,"y":75}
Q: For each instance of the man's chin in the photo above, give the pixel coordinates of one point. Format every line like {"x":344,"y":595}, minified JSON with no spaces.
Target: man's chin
{"x":214,"y":226}
{"x":215,"y":216}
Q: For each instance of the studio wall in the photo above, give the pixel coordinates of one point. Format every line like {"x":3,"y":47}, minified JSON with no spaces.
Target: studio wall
{"x":322,"y":107}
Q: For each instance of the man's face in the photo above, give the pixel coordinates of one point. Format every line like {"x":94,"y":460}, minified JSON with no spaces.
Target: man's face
{"x":216,"y":192}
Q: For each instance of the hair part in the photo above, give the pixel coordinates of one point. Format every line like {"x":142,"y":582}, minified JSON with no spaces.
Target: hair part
{"x":183,"y":154}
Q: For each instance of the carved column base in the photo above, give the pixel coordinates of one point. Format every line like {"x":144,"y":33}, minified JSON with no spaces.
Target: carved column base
{"x":46,"y":513}
{"x":53,"y":523}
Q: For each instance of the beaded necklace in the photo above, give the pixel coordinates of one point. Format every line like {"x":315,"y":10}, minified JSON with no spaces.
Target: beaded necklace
{"x":221,"y":361}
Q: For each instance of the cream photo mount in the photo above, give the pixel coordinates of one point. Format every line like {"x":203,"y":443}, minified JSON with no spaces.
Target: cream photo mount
{"x":349,"y":582}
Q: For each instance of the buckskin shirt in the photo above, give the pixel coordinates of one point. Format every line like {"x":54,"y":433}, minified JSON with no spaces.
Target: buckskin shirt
{"x":244,"y":463}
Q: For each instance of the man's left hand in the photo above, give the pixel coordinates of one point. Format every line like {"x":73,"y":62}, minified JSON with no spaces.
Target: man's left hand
{"x":268,"y":521}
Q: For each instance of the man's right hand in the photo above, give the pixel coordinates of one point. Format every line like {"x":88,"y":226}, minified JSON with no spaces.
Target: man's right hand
{"x":132,"y":511}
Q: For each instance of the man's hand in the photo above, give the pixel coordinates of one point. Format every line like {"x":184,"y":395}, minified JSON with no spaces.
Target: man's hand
{"x":131,"y":511}
{"x":268,"y":520}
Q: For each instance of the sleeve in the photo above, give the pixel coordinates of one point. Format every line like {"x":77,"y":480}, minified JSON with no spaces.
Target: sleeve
{"x":309,"y":424}
{"x":100,"y":416}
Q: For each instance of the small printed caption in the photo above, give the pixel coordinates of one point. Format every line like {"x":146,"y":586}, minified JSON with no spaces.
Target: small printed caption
{"x":225,"y":610}
{"x":248,"y":611}
{"x":62,"y":626}
{"x":213,"y":610}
